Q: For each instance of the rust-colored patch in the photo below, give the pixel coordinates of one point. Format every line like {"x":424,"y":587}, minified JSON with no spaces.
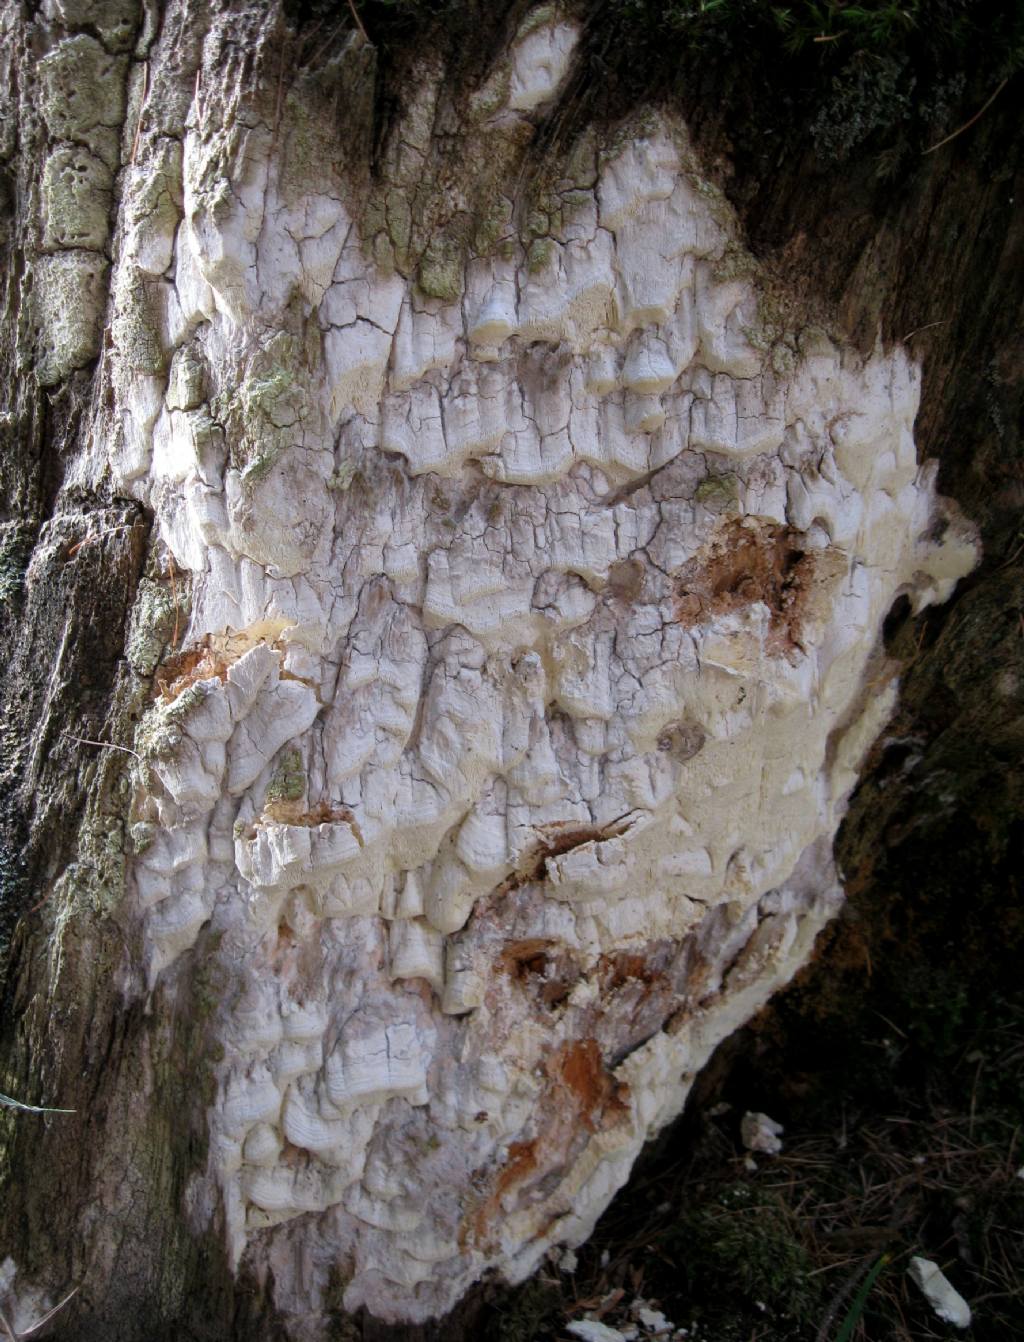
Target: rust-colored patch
{"x":519,"y":956}
{"x":522,"y":1161}
{"x":296,"y":813}
{"x":581,"y":1069}
{"x":183,"y":669}
{"x":616,"y":968}
{"x":626,"y":579}
{"x":581,"y":1097}
{"x":540,"y":964}
{"x":748,"y":560}
{"x":558,"y":838}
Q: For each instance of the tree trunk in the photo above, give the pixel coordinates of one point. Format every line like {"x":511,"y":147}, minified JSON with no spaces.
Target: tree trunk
{"x":444,"y":574}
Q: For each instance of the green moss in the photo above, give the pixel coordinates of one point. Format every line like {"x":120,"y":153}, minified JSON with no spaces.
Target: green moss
{"x":747,"y":1241}
{"x":530,"y":1312}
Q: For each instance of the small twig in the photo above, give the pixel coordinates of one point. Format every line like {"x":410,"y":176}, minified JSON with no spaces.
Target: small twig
{"x":892,"y":1026}
{"x":174,"y":597}
{"x":359,"y":22}
{"x":280,"y":92}
{"x":974,"y":1098}
{"x":8,"y":1327}
{"x":109,"y":745}
{"x":142,"y":108}
{"x":98,"y":536}
{"x":918,"y":329}
{"x":9,"y":1103}
{"x":1012,"y":559}
{"x":311,"y":63}
{"x":49,"y":1314}
{"x":967,"y":124}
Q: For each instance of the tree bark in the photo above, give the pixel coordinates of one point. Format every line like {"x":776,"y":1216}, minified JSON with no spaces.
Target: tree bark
{"x":449,"y":533}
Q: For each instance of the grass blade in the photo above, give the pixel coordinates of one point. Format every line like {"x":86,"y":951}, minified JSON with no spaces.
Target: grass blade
{"x":860,"y":1300}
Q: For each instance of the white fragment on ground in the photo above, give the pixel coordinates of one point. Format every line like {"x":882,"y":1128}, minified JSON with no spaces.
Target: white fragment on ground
{"x":568,"y":1262}
{"x":758,"y":1132}
{"x":653,"y":1320}
{"x":591,"y":1331}
{"x":944,"y":1298}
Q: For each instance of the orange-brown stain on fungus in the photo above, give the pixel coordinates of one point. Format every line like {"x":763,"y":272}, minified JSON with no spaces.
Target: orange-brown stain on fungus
{"x":749,"y":560}
{"x":581,"y":1098}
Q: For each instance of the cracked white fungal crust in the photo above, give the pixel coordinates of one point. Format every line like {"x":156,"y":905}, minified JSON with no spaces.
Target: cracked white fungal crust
{"x":540,"y":640}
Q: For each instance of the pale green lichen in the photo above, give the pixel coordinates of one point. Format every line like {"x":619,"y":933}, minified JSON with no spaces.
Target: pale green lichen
{"x":94,"y":881}
{"x":183,"y":704}
{"x":398,"y":215}
{"x":493,"y":227}
{"x":260,"y":466}
{"x":114,"y":20}
{"x":69,"y":296}
{"x":719,"y":493}
{"x":341,"y":480}
{"x":541,"y":17}
{"x":186,"y":384}
{"x":135,"y":329}
{"x":289,"y":779}
{"x":15,"y":549}
{"x":159,"y":734}
{"x":271,"y":398}
{"x":152,"y":623}
{"x":263,"y":416}
{"x":539,"y":254}
{"x":783,"y":358}
{"x":494,"y":94}
{"x":140,"y":837}
{"x":76,"y":192}
{"x":440,"y":273}
{"x":81,"y":94}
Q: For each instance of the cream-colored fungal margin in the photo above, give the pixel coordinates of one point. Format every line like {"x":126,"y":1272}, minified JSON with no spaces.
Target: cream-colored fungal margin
{"x":540,"y":649}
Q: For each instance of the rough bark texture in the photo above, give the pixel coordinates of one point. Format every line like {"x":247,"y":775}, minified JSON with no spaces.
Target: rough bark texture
{"x":478,"y":531}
